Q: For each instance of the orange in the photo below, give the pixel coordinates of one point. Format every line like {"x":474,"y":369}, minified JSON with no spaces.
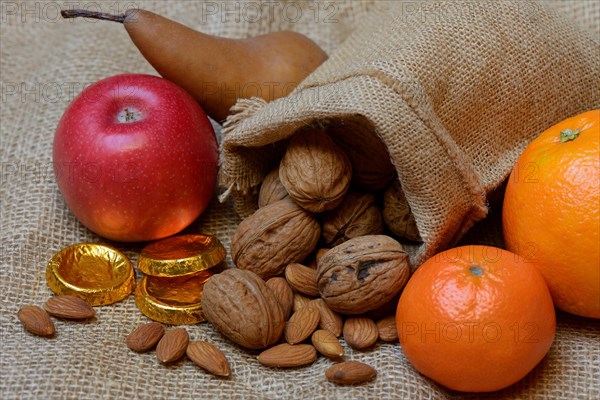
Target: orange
{"x":475,"y":318}
{"x":551,"y":212}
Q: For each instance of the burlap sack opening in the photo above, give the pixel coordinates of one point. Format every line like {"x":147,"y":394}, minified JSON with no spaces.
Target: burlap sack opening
{"x":454,"y":100}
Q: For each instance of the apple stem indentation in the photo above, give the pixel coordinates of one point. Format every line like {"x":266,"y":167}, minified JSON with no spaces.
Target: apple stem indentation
{"x":129,"y":115}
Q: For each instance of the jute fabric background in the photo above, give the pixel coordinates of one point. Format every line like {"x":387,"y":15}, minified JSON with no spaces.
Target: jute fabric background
{"x":44,"y":63}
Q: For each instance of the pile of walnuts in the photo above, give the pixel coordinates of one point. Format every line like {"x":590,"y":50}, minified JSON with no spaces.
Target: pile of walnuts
{"x":315,"y":241}
{"x":308,"y":203}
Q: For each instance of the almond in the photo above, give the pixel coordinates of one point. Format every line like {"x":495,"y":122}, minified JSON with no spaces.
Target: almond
{"x":36,"y":321}
{"x":327,"y":344}
{"x":350,"y":372}
{"x":388,"y":332}
{"x":302,"y":279}
{"x":300,"y":301}
{"x":330,"y":320}
{"x":145,"y":337}
{"x":209,"y":357}
{"x":360,"y":332}
{"x":288,"y":355}
{"x":172,"y":346}
{"x":283,"y":293}
{"x":69,"y":307}
{"x":301,"y":325}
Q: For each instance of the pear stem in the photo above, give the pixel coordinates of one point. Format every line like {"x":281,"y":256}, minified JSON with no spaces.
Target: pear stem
{"x":93,"y":14}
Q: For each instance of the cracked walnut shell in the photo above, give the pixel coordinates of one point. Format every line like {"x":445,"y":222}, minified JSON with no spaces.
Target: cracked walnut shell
{"x":362,"y":274}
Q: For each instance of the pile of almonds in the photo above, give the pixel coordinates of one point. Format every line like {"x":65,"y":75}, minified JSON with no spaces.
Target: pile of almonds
{"x":171,"y":345}
{"x":313,"y":263}
{"x":37,"y":320}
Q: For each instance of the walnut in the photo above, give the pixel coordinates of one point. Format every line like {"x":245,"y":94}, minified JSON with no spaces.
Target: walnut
{"x":372,"y":169}
{"x":239,"y":304}
{"x":271,"y":189}
{"x":397,"y":215}
{"x":357,"y":215}
{"x":315,"y":171}
{"x":362,"y":274}
{"x":273,"y":237}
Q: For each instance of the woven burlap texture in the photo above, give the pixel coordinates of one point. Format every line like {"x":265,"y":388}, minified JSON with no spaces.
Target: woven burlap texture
{"x":454,"y":99}
{"x":44,"y":63}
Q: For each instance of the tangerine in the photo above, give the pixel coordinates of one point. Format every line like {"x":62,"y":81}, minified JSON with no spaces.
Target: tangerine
{"x":475,"y":318}
{"x":551,"y":211}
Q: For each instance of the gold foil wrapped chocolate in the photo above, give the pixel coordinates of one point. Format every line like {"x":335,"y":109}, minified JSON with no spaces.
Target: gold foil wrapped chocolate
{"x":172,"y":300}
{"x":181,"y":255}
{"x":98,"y":274}
{"x":176,"y":269}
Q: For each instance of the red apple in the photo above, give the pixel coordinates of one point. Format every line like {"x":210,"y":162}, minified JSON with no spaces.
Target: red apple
{"x":135,"y":158}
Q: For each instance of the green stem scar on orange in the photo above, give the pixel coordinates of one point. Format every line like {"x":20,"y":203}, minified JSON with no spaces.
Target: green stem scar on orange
{"x":569,"y":134}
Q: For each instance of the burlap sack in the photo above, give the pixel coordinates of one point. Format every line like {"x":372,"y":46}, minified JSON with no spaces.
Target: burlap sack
{"x":454,"y":90}
{"x":44,"y":63}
